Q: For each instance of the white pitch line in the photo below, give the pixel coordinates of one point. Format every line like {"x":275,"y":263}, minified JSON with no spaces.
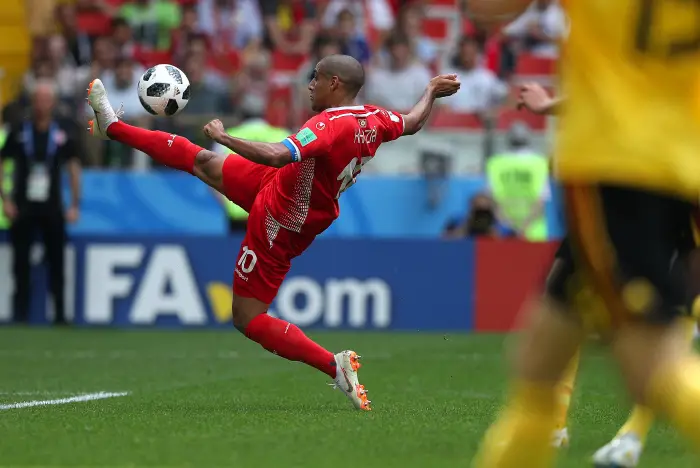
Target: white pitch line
{"x":63,"y":401}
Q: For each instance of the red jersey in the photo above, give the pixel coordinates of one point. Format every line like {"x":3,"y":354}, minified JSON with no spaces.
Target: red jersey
{"x":329,"y":152}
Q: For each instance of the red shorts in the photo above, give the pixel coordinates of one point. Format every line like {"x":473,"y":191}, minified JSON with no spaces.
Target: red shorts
{"x":267,"y":249}
{"x":243,"y":180}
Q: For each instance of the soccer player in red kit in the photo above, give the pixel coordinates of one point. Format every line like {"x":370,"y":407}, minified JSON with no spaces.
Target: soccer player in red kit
{"x":291,"y":191}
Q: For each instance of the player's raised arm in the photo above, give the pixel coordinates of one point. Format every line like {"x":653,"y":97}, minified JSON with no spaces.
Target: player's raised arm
{"x":535,"y":98}
{"x":440,"y":86}
{"x":267,"y":154}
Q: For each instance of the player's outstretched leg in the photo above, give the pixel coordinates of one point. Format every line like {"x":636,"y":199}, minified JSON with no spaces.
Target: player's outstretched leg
{"x":288,"y":341}
{"x":522,"y":434}
{"x":626,"y":448}
{"x":661,"y":371}
{"x":170,"y":150}
{"x":565,"y":390}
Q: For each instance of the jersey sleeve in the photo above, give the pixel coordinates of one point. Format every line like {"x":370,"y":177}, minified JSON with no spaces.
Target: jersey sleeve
{"x":312,"y":141}
{"x":392,"y":123}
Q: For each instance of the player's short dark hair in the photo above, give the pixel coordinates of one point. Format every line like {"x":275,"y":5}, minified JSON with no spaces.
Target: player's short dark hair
{"x":347,"y":69}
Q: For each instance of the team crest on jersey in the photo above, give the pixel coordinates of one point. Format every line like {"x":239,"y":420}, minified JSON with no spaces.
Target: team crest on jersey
{"x":320,"y":125}
{"x":306,"y":136}
{"x":362,"y":122}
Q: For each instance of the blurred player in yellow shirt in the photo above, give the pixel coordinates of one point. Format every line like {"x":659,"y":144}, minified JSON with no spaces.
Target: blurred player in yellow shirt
{"x":626,"y":447}
{"x":627,"y":154}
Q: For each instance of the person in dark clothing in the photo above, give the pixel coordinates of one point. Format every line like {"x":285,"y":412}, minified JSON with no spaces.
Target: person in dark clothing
{"x":40,"y":146}
{"x":78,"y":43}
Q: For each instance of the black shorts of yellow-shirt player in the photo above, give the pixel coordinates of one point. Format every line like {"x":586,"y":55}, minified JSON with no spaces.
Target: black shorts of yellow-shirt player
{"x":626,"y":257}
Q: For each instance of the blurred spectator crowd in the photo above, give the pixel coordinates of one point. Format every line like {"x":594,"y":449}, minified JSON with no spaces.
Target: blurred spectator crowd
{"x":252,"y":58}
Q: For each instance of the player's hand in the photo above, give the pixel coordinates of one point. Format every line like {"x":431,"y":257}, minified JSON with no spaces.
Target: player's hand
{"x":73,"y":214}
{"x":444,"y":85}
{"x":214,"y":129}
{"x":534,"y":98}
{"x":9,"y":209}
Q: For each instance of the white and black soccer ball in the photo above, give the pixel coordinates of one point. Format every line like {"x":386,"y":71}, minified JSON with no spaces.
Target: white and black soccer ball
{"x":164,"y":90}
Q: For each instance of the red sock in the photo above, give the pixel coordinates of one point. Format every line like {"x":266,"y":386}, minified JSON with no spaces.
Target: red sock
{"x":170,"y":150}
{"x":288,"y":341}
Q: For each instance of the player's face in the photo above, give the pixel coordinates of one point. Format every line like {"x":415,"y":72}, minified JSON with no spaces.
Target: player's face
{"x":320,"y":89}
{"x":43,"y":101}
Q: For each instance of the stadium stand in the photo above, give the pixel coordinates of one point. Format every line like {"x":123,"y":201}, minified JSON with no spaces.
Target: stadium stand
{"x":443,"y":23}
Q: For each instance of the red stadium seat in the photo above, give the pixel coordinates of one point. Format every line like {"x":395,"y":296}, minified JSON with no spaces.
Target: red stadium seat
{"x":148,"y":58}
{"x":532,"y":65}
{"x":94,"y":23}
{"x":285,"y":62}
{"x":508,"y":117}
{"x":446,"y":119}
{"x":435,"y":28}
{"x":492,"y":54}
{"x":468,"y":28}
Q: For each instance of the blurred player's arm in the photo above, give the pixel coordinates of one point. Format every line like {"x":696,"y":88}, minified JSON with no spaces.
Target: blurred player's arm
{"x":267,"y":154}
{"x":440,"y":86}
{"x":535,"y":98}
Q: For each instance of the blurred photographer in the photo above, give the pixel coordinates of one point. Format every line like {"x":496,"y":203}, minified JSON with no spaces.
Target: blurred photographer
{"x":40,"y":146}
{"x":480,"y":220}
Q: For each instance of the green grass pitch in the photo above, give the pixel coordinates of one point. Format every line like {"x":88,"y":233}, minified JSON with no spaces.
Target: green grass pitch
{"x":206,"y":399}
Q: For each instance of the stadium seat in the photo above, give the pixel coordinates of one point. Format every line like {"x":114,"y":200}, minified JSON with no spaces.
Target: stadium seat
{"x":94,"y":23}
{"x":533,"y":65}
{"x":435,"y":28}
{"x":468,"y":28}
{"x":446,"y":119}
{"x":15,"y":46}
{"x":492,"y":55}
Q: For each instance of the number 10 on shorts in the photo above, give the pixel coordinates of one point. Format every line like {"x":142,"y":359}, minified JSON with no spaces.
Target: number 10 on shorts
{"x":248,"y":260}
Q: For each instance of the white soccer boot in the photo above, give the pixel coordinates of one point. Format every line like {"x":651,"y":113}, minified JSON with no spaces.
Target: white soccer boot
{"x":104,"y":113}
{"x":560,"y":438}
{"x":347,"y":364}
{"x":621,"y":452}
